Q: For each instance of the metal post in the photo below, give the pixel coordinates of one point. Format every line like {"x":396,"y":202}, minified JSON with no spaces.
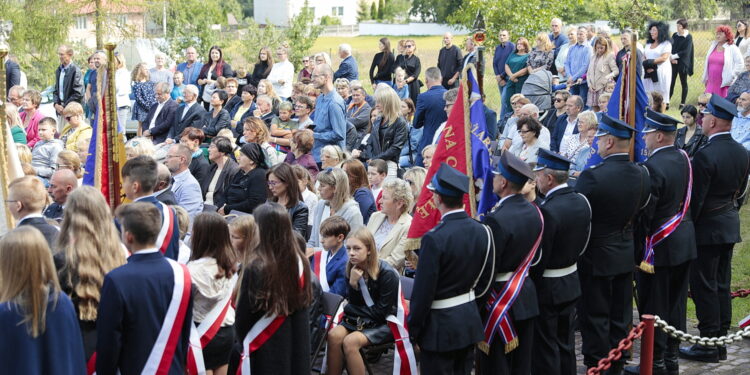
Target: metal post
{"x":647,"y":345}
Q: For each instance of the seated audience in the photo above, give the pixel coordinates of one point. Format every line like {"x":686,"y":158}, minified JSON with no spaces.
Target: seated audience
{"x":284,"y":187}
{"x":301,"y":151}
{"x":335,"y":200}
{"x":329,"y":264}
{"x":247,"y":189}
{"x":391,"y":224}
{"x":220,"y":173}
{"x":359,"y":188}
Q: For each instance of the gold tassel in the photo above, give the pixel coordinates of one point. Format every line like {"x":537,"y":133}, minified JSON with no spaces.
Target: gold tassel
{"x":645,"y":267}
{"x":511,"y":345}
{"x":484,"y":347}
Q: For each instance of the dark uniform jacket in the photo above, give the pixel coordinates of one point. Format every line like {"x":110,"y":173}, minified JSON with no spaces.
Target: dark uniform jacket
{"x":668,"y":171}
{"x":72,"y":85}
{"x":515,"y":225}
{"x":451,"y":259}
{"x":182,"y":120}
{"x":616,"y":189}
{"x":48,"y":230}
{"x":719,"y":178}
{"x":567,"y":226}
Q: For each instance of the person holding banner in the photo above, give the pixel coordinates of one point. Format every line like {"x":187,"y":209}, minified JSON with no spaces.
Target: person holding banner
{"x":212,"y":268}
{"x":272,"y":311}
{"x":666,"y":237}
{"x":146,"y":308}
{"x":511,"y":306}
{"x":373,"y":296}
{"x":456,"y":266}
{"x":606,"y":268}
{"x":720,"y":171}
{"x":567,"y":227}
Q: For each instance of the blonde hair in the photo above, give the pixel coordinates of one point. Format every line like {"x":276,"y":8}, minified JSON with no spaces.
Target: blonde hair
{"x":269,"y":90}
{"x":334,"y":152}
{"x":140,"y":146}
{"x":71,"y":160}
{"x":11,"y":114}
{"x":417,"y":175}
{"x":30,"y":191}
{"x":261,"y":130}
{"x":140,"y":73}
{"x":91,"y":245}
{"x":24,"y":152}
{"x":246,"y":227}
{"x":372,"y":265}
{"x":27,"y":276}
{"x":588,"y":118}
{"x":338,"y":179}
{"x":183,"y":220}
{"x":543,"y":43}
{"x":390,"y":103}
{"x":73,"y":109}
{"x":400,"y":191}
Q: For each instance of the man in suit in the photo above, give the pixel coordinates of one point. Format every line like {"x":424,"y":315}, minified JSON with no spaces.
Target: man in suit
{"x":26,"y":199}
{"x":146,"y":307}
{"x":61,"y":184}
{"x":455,"y":266}
{"x":161,"y":115}
{"x":567,"y":124}
{"x":12,"y":74}
{"x":516,"y":226}
{"x":139,"y":177}
{"x":720,"y":172}
{"x":348,"y":67}
{"x":617,"y":189}
{"x":188,"y":114}
{"x":567,"y":226}
{"x":68,"y":80}
{"x":162,"y":191}
{"x":430,"y":112}
{"x":666,"y":251}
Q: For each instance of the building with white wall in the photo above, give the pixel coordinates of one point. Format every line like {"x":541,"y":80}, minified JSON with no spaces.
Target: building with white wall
{"x":279,"y":12}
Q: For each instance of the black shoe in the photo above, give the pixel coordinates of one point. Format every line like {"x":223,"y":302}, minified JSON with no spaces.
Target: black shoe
{"x":700,"y":353}
{"x":658,"y":369}
{"x":670,"y":357}
{"x":722,"y":353}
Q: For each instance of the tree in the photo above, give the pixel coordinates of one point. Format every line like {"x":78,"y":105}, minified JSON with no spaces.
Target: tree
{"x":373,"y":11}
{"x":248,"y":8}
{"x":381,"y":9}
{"x":671,"y":9}
{"x":396,"y":9}
{"x":437,"y":11}
{"x":363,"y":11}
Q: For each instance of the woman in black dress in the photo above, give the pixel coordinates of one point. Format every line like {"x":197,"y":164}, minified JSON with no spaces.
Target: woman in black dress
{"x":373,"y":295}
{"x":383,"y":62}
{"x":210,"y":72}
{"x":411,"y":64}
{"x":682,"y":65}
{"x":262,"y":67}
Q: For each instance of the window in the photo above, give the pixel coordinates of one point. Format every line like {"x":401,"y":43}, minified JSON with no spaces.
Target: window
{"x":121,"y":19}
{"x":81,"y":22}
{"x":337,"y":11}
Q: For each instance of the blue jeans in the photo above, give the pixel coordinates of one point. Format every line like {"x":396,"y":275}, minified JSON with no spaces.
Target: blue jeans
{"x":503,"y":111}
{"x":581,"y":90}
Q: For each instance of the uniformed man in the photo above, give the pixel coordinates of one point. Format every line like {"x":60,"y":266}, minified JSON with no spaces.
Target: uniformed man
{"x":455,"y":266}
{"x":511,"y":306}
{"x":720,"y":172}
{"x":616,"y":189}
{"x":665,"y":238}
{"x":567,"y":226}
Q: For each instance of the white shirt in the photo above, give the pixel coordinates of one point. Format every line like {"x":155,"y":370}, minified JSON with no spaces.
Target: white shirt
{"x":570,"y":126}
{"x":159,"y":106}
{"x":187,"y":108}
{"x":282,"y":71}
{"x":556,"y":188}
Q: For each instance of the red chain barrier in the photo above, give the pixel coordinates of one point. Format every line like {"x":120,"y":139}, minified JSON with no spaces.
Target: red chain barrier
{"x":742,"y":293}
{"x":616,"y":353}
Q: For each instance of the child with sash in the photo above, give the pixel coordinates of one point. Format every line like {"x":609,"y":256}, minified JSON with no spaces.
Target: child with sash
{"x":330,"y":263}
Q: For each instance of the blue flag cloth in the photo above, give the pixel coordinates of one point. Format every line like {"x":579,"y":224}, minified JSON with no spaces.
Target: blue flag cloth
{"x":480,"y":153}
{"x":618,"y":108}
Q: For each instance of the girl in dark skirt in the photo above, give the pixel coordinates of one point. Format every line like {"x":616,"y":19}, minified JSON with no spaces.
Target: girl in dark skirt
{"x":373,"y":295}
{"x":212,"y":267}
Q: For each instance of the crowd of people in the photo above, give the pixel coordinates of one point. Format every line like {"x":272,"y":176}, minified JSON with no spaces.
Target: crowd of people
{"x":237,"y":177}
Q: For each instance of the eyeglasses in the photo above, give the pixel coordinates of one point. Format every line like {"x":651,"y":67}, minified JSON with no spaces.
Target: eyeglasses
{"x":702,"y":104}
{"x":524,"y":131}
{"x":273,"y":183}
{"x":304,"y":61}
{"x":10,"y":201}
{"x":410,"y":182}
{"x":559,"y":100}
{"x":67,"y":118}
{"x":409,"y":46}
{"x":172,"y":156}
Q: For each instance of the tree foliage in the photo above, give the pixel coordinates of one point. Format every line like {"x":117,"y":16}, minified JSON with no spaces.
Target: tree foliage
{"x":437,"y":11}
{"x":373,"y":10}
{"x":39,"y":27}
{"x":396,"y":10}
{"x":363,"y":11}
{"x":189,"y":23}
{"x":381,"y":10}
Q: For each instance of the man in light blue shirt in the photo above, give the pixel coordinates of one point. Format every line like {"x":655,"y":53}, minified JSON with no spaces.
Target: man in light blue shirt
{"x":741,"y":123}
{"x":330,"y":112}
{"x":191,"y":67}
{"x":577,"y":64}
{"x":186,"y":189}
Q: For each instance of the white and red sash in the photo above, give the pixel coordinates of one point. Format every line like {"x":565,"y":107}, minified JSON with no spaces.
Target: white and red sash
{"x":319,"y":268}
{"x":168,"y":226}
{"x":262,"y":330}
{"x":201,"y":335}
{"x":647,"y":264}
{"x":500,"y":302}
{"x":745,"y":322}
{"x":404,"y":360}
{"x":160,"y":359}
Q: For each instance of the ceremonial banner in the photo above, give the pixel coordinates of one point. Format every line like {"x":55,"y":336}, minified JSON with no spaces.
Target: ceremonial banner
{"x":451,"y":149}
{"x":619,"y":107}
{"x":480,"y":150}
{"x":107,"y":146}
{"x":10,"y":169}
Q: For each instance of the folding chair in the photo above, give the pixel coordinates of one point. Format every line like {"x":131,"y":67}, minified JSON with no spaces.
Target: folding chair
{"x":331,"y":303}
{"x":372,"y":353}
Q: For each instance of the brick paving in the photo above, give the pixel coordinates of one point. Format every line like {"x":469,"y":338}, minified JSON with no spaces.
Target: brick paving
{"x":737,"y":363}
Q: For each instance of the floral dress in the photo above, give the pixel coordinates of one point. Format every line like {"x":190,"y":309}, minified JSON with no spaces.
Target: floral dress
{"x":145,"y":98}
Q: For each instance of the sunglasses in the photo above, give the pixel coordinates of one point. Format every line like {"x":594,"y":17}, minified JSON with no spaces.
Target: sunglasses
{"x":67,"y":118}
{"x":559,"y":100}
{"x":702,"y":104}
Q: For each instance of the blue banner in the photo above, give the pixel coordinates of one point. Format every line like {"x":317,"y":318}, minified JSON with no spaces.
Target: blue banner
{"x":480,"y":153}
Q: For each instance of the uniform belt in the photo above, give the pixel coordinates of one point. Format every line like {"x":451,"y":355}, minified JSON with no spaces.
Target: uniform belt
{"x":503,"y":276}
{"x":560,"y":272}
{"x":453,"y":301}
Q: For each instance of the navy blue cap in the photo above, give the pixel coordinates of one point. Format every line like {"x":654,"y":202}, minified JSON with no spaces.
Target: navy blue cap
{"x":613,"y":126}
{"x":514,"y":169}
{"x":551,"y":160}
{"x":721,"y":108}
{"x":659,"y":121}
{"x":449,"y":181}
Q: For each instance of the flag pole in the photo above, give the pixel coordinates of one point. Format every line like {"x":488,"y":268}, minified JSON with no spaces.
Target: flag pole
{"x":467,"y":139}
{"x":113,"y":164}
{"x":632,"y":100}
{"x":3,"y":139}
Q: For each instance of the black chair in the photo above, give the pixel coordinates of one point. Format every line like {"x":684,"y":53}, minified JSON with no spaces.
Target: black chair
{"x":331,"y":303}
{"x":373,"y":353}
